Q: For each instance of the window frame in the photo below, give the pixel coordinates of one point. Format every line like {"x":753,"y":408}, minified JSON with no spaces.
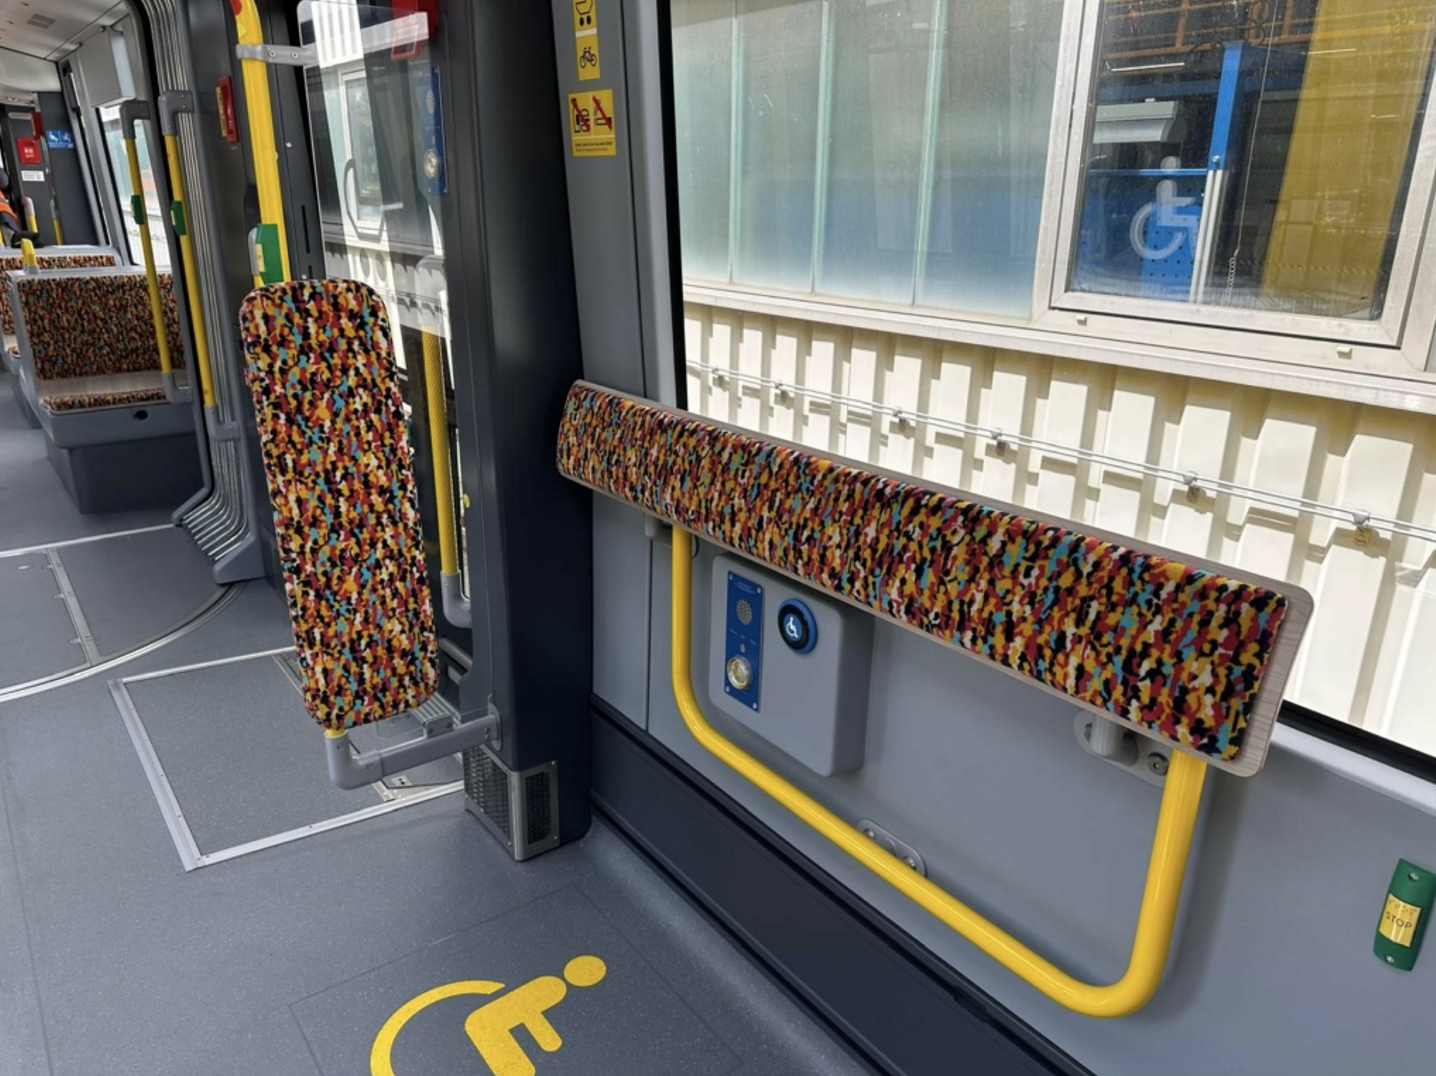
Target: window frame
{"x":1399,"y":342}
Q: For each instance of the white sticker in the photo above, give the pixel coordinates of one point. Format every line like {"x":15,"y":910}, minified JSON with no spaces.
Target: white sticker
{"x":28,"y":176}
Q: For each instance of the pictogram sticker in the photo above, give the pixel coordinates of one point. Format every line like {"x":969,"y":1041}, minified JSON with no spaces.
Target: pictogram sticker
{"x":593,"y":130}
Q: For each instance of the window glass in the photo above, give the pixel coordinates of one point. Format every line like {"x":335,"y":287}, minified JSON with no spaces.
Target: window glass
{"x":780,"y":44}
{"x":703,"y":97}
{"x":875,"y":148}
{"x":934,"y":120}
{"x":892,"y":150}
{"x":994,"y":116}
{"x":363,"y":148}
{"x":1253,"y":155}
{"x":120,"y":169}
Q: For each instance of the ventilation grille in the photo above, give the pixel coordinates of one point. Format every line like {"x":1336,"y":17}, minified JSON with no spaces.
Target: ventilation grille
{"x":537,"y":795}
{"x":41,"y":22}
{"x":487,"y":786}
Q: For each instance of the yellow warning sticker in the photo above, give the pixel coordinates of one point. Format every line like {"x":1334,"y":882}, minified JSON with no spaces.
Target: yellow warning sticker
{"x":591,"y":125}
{"x":585,"y":48}
{"x":585,"y":15}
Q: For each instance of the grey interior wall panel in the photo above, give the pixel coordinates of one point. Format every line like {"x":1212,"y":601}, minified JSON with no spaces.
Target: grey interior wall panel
{"x":620,"y":608}
{"x":1272,"y":970}
{"x":600,"y":204}
{"x":79,"y":226}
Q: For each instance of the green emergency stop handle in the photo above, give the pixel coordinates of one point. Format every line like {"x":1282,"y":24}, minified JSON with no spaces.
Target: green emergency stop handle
{"x":1409,"y":903}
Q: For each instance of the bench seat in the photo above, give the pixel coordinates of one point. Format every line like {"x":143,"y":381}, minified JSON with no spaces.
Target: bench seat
{"x":66,"y":257}
{"x":90,"y":372}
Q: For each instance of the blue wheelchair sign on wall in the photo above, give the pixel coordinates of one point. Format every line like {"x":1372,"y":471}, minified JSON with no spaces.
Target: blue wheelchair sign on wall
{"x":60,"y":139}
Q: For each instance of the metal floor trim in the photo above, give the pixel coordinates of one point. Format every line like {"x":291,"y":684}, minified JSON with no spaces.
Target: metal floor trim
{"x":191,"y":856}
{"x":72,"y":605}
{"x":44,"y":547}
{"x":202,"y":616}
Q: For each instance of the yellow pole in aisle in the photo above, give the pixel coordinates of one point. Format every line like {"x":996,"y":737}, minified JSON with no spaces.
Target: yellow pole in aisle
{"x":152,"y":277}
{"x":191,"y":271}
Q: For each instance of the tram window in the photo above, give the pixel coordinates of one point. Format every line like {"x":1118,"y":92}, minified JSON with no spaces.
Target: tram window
{"x":893,"y":155}
{"x":120,"y":170}
{"x":1252,"y":155}
{"x":892,"y":150}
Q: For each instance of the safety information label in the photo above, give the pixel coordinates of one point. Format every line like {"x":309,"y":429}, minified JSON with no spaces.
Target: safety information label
{"x":591,"y":125}
{"x":585,"y":39}
{"x":585,"y":47}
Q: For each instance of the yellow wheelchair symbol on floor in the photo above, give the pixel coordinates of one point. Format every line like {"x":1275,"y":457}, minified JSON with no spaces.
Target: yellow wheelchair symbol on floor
{"x":491,"y":1026}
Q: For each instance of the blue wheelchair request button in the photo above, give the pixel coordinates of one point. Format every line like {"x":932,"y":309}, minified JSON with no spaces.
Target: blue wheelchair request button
{"x":797,"y":626}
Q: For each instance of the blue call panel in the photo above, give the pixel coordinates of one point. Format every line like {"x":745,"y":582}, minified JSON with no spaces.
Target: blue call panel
{"x":743,"y":641}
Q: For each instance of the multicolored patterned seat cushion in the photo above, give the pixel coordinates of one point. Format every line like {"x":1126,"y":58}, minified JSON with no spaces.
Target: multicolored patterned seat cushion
{"x":346,"y":516}
{"x":1176,"y":649}
{"x":10,"y":260}
{"x":84,"y":401}
{"x":81,"y":325}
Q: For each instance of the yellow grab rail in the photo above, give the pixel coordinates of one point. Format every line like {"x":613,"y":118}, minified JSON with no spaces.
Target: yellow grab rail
{"x":260,"y":115}
{"x":191,"y":271}
{"x":152,"y":278}
{"x":439,"y":451}
{"x":1171,"y":844}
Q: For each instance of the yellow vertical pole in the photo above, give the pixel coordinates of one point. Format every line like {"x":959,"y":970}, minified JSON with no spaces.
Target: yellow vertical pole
{"x":439,"y":450}
{"x":261,"y":127}
{"x":27,"y":255}
{"x":191,"y":270}
{"x":137,"y":205}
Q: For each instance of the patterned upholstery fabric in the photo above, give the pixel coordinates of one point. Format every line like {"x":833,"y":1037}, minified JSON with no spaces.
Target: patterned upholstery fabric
{"x":83,"y":401}
{"x":338,"y":463}
{"x":1176,"y":649}
{"x":88,"y":326}
{"x":10,"y":260}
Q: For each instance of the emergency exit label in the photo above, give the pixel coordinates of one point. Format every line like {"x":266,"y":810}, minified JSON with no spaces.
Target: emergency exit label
{"x":591,"y":125}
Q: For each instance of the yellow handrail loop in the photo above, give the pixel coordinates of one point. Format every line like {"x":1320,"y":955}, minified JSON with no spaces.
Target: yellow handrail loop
{"x":1181,"y":799}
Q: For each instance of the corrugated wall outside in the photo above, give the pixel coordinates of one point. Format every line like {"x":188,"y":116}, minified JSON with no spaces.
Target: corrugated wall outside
{"x":1367,"y":657}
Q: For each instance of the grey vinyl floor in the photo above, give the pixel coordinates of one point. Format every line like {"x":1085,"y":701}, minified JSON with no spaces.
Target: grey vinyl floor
{"x":126,"y":589}
{"x":289,"y":961}
{"x":37,"y":636}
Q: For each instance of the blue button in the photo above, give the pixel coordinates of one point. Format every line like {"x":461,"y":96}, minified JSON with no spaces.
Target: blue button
{"x":797,"y":626}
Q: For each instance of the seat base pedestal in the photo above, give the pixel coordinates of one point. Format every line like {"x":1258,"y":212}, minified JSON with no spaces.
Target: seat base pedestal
{"x":129,"y":475}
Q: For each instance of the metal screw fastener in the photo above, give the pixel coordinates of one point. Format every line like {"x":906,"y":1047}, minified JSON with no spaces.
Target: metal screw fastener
{"x":1390,"y":960}
{"x":870,"y":835}
{"x":1413,"y":876}
{"x":1157,"y":764}
{"x":910,"y":862}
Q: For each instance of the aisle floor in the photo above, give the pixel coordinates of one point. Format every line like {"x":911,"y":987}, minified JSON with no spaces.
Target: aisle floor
{"x":293,"y":960}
